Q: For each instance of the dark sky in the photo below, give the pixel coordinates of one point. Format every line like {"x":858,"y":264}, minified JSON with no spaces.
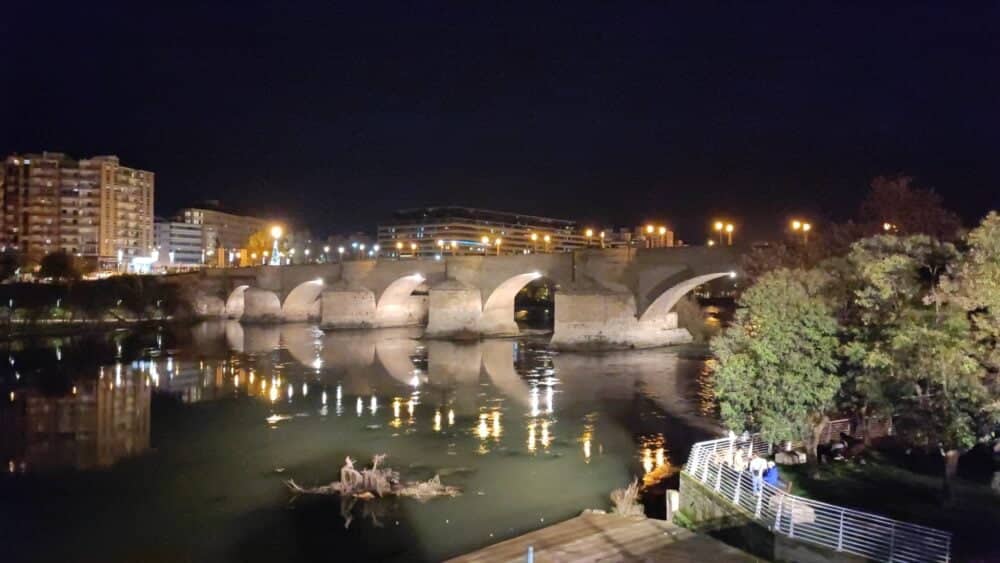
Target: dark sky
{"x":333,"y":115}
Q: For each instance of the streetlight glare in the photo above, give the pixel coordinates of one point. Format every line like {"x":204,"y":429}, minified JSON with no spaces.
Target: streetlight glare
{"x":649,"y":229}
{"x":796,"y":225}
{"x":485,"y":240}
{"x":718,"y":225}
{"x":729,"y":228}
{"x":806,"y":227}
{"x":663,"y":231}
{"x":276,"y":231}
{"x":590,"y":233}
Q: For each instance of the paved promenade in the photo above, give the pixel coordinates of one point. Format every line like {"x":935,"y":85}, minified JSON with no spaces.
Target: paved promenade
{"x":605,"y":537}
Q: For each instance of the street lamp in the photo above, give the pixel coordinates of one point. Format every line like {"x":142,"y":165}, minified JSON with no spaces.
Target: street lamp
{"x":729,"y":233}
{"x":547,"y":240}
{"x":340,"y":251}
{"x":376,"y":248}
{"x":498,"y":241}
{"x":602,"y":239}
{"x":803,"y":227}
{"x":719,"y":226}
{"x":413,"y":249}
{"x":589,"y":233}
{"x":534,"y":242}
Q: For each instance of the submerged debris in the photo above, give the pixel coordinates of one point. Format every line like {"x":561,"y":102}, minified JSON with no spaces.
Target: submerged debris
{"x":626,"y":501}
{"x":368,"y":483}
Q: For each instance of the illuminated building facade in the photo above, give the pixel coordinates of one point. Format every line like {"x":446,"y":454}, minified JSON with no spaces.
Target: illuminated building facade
{"x":433,"y":231}
{"x":93,"y":208}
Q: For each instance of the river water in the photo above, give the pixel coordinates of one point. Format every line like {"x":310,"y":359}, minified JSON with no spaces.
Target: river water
{"x":174,"y":444}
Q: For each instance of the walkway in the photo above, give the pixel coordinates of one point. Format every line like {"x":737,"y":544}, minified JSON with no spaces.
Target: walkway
{"x":606,"y":537}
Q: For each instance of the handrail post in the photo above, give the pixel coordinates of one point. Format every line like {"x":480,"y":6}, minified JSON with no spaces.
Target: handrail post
{"x":718,"y":477}
{"x":756,"y":511}
{"x":892,"y":541}
{"x":840,"y":532}
{"x":791,"y":519}
{"x":736,"y":495}
{"x":777,"y":515}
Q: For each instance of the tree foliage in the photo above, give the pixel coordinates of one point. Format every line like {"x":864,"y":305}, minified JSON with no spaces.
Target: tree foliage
{"x":59,"y":265}
{"x":907,"y":208}
{"x":777,"y":361}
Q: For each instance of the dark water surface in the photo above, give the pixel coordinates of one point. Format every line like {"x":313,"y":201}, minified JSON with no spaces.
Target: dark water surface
{"x":174,"y":444}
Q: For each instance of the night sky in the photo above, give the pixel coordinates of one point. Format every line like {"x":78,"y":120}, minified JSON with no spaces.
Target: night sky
{"x":335,"y":115}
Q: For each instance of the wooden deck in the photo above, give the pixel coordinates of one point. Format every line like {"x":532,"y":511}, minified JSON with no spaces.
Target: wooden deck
{"x":605,"y":537}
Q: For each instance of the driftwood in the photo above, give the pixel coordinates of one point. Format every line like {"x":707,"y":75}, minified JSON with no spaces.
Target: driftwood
{"x":376,"y":481}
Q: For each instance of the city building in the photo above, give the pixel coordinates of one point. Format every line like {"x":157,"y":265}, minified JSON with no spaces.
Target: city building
{"x":179,"y":244}
{"x":94,"y":208}
{"x":222,"y":232}
{"x":433,"y":231}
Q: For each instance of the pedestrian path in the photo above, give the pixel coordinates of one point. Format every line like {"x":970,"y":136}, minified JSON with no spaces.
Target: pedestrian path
{"x":608,"y":537}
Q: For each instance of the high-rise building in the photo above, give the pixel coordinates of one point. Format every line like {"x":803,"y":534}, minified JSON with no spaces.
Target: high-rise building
{"x":94,"y":208}
{"x":433,"y":231}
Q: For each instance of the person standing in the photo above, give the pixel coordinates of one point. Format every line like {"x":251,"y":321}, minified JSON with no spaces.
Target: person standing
{"x":757,"y":467}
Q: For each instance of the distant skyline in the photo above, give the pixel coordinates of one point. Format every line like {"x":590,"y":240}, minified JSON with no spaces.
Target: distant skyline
{"x":335,"y":116}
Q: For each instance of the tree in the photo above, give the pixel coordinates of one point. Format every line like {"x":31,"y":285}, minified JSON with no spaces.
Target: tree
{"x":259,"y":243}
{"x":9,"y":263}
{"x":974,"y":285}
{"x":777,"y":369}
{"x":59,"y":265}
{"x":909,"y":349}
{"x":907,"y":209}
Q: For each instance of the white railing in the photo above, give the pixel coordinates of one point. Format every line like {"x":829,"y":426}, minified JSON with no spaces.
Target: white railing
{"x":834,"y":527}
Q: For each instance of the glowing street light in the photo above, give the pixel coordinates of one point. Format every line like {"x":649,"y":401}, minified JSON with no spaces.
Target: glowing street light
{"x":498,"y":241}
{"x":547,"y":240}
{"x":729,"y":233}
{"x":802,"y":227}
{"x":602,"y":239}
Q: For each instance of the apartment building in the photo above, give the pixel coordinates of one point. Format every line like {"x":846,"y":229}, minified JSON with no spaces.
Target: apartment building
{"x":94,"y":208}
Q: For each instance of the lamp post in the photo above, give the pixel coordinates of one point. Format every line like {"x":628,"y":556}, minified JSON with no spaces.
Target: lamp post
{"x":719,"y":226}
{"x":275,"y":254}
{"x":534,"y":242}
{"x":729,"y":233}
{"x":498,"y":241}
{"x":454,"y":248}
{"x":361,"y":251}
{"x":547,"y":240}
{"x":376,"y":249}
{"x":802,"y":227}
{"x":589,"y":234}
{"x":602,"y":239}
{"x":486,"y":243}
{"x":340,"y":252}
{"x":413,"y":249}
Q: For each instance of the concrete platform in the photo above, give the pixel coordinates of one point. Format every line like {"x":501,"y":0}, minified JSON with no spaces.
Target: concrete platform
{"x":605,"y":537}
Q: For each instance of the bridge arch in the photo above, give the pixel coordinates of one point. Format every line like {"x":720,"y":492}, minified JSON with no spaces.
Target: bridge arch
{"x":235,"y":303}
{"x":396,"y":305}
{"x":302,"y":303}
{"x":665,"y":302}
{"x":498,"y":310}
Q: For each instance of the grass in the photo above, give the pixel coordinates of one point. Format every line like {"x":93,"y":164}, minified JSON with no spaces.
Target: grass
{"x":890,"y":486}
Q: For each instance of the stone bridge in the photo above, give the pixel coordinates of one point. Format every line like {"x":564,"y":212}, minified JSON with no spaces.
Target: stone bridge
{"x":604,"y":299}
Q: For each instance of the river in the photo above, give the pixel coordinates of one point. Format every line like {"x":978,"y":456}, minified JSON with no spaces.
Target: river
{"x":174,"y":444}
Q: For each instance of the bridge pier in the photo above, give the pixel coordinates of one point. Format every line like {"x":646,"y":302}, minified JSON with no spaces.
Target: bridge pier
{"x":347,"y":307}
{"x":454,"y":311}
{"x":261,"y":306}
{"x":601,"y":319}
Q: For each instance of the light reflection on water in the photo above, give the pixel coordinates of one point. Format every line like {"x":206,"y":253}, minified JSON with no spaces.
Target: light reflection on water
{"x":530,"y":435}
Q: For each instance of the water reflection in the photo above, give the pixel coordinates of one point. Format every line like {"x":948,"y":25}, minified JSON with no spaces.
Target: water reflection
{"x":523,"y":430}
{"x":91,"y":423}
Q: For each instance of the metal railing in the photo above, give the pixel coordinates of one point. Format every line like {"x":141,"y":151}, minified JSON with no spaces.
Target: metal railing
{"x":827,"y":525}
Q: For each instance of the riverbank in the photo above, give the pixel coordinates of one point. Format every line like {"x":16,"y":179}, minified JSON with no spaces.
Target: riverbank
{"x":60,"y":327}
{"x":892,"y":487}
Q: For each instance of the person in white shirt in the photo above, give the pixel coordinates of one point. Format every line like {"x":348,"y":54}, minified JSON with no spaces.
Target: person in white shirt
{"x":757,"y":467}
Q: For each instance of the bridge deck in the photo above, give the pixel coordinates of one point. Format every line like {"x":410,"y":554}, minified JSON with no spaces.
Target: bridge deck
{"x":605,"y":537}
